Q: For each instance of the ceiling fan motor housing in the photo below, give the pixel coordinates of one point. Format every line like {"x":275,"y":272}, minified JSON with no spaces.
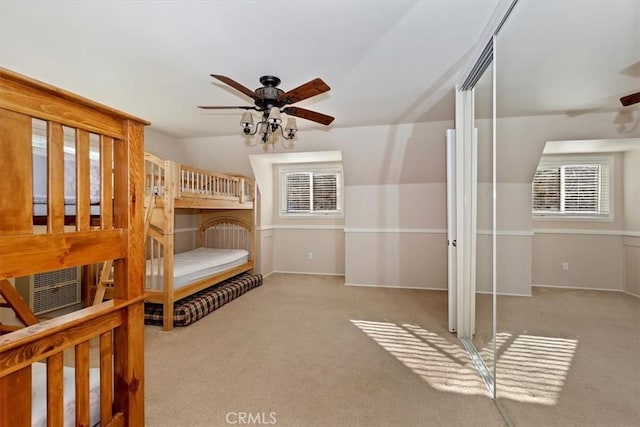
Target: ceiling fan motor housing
{"x":267,"y":96}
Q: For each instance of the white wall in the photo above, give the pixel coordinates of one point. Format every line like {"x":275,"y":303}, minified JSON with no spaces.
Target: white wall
{"x":377,"y":158}
{"x":305,"y":244}
{"x":631,"y":162}
{"x":395,"y":235}
{"x":592,"y":249}
{"x":163,"y":145}
{"x":521,"y":141}
{"x":513,"y":241}
{"x":631,"y":241}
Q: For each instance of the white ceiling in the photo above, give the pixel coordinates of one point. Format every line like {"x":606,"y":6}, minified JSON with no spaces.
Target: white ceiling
{"x":387,"y":62}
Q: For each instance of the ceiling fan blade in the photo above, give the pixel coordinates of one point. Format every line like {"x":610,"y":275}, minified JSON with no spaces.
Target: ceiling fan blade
{"x":237,"y":86}
{"x":307,"y":90}
{"x":309,"y":115}
{"x":634,"y":98}
{"x":226,"y":107}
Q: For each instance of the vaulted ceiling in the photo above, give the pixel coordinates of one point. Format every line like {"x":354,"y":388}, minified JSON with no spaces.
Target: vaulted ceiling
{"x":387,"y":62}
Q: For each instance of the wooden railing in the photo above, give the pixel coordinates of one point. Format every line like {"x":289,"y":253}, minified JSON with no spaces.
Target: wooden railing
{"x":25,"y":250}
{"x":163,"y":176}
{"x":46,"y":342}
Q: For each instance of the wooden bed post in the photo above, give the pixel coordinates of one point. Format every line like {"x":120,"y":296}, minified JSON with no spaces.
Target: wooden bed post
{"x":129,"y":275}
{"x":172,"y":170}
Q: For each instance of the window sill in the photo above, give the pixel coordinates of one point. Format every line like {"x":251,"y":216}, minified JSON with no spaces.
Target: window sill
{"x":312,"y":216}
{"x":572,"y":218}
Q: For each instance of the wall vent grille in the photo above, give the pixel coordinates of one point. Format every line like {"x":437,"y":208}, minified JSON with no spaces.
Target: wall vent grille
{"x":52,"y":290}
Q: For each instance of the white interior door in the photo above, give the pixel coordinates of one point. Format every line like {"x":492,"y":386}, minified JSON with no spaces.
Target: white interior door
{"x":452,"y":230}
{"x":465,"y":213}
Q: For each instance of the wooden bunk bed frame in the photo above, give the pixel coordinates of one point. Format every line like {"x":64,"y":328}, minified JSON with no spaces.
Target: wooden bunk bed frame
{"x":226,"y":204}
{"x":116,"y":324}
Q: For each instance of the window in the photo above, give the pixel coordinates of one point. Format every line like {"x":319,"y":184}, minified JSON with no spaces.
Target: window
{"x":577,"y":188}
{"x":311,"y":192}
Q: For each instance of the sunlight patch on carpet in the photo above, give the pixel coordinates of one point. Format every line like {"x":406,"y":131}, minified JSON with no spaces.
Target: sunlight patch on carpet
{"x":530,"y":369}
{"x":533,"y":369}
{"x":444,"y":365}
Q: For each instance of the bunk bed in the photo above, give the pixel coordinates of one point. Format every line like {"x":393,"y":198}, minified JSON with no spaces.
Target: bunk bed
{"x":226,"y":235}
{"x":115,"y":326}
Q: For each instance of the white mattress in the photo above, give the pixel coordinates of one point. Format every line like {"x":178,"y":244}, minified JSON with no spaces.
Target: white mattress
{"x":39,"y":395}
{"x":198,"y":263}
{"x":69,"y":210}
{"x":40,"y":178}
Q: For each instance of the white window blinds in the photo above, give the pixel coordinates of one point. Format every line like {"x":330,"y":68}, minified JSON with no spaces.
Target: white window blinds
{"x":572,"y":188}
{"x":311,"y":191}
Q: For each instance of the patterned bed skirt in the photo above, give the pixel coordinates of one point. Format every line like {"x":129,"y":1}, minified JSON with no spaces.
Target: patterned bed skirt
{"x":196,"y":306}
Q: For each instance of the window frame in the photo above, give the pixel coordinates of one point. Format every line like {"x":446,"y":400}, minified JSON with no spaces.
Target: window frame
{"x":576,"y":160}
{"x":326,"y":168}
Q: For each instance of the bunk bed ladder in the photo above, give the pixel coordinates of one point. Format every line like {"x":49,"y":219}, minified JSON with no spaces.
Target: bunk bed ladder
{"x":105,"y":273}
{"x":12,"y":299}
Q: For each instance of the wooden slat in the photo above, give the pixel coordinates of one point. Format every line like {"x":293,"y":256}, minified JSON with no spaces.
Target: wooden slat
{"x":45,"y":88}
{"x":104,"y":277}
{"x":82,"y":180}
{"x":55,"y":177}
{"x":9,"y":328}
{"x":150,"y":204}
{"x":210,"y":202}
{"x":15,"y":393}
{"x":129,"y":365}
{"x":58,"y":325}
{"x":106,"y":182}
{"x":129,"y":212}
{"x":22,"y":355}
{"x":167,"y":303}
{"x":23,"y":95}
{"x":82,"y":384}
{"x":129,"y":276}
{"x":16,"y":165}
{"x":117,"y":421}
{"x":13,"y":298}
{"x":24,"y":255}
{"x":55,"y":392}
{"x":159,"y":296}
{"x":106,"y":377}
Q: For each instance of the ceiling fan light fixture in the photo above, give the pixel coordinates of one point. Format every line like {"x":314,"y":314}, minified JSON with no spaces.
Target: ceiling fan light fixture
{"x":247,"y":120}
{"x":262,"y":128}
{"x":274,"y":116}
{"x":291,"y":127}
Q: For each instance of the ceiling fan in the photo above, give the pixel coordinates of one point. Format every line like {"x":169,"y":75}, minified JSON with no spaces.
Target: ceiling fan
{"x":270,"y":96}
{"x":631,"y":99}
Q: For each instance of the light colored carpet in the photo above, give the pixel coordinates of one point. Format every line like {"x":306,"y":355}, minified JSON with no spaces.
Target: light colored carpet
{"x":317,"y":353}
{"x":308,"y":351}
{"x":569,"y":357}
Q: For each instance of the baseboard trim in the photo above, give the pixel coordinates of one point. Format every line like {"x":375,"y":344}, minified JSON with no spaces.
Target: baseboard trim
{"x":505,"y":294}
{"x":354,"y":230}
{"x":266,"y":275}
{"x":371,"y":285}
{"x":578,"y":288}
{"x":307,"y":273}
{"x":631,"y":294}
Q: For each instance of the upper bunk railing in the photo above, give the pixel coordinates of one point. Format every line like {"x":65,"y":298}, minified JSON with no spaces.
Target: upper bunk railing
{"x":181,"y":181}
{"x":81,"y":145}
{"x":26,"y":249}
